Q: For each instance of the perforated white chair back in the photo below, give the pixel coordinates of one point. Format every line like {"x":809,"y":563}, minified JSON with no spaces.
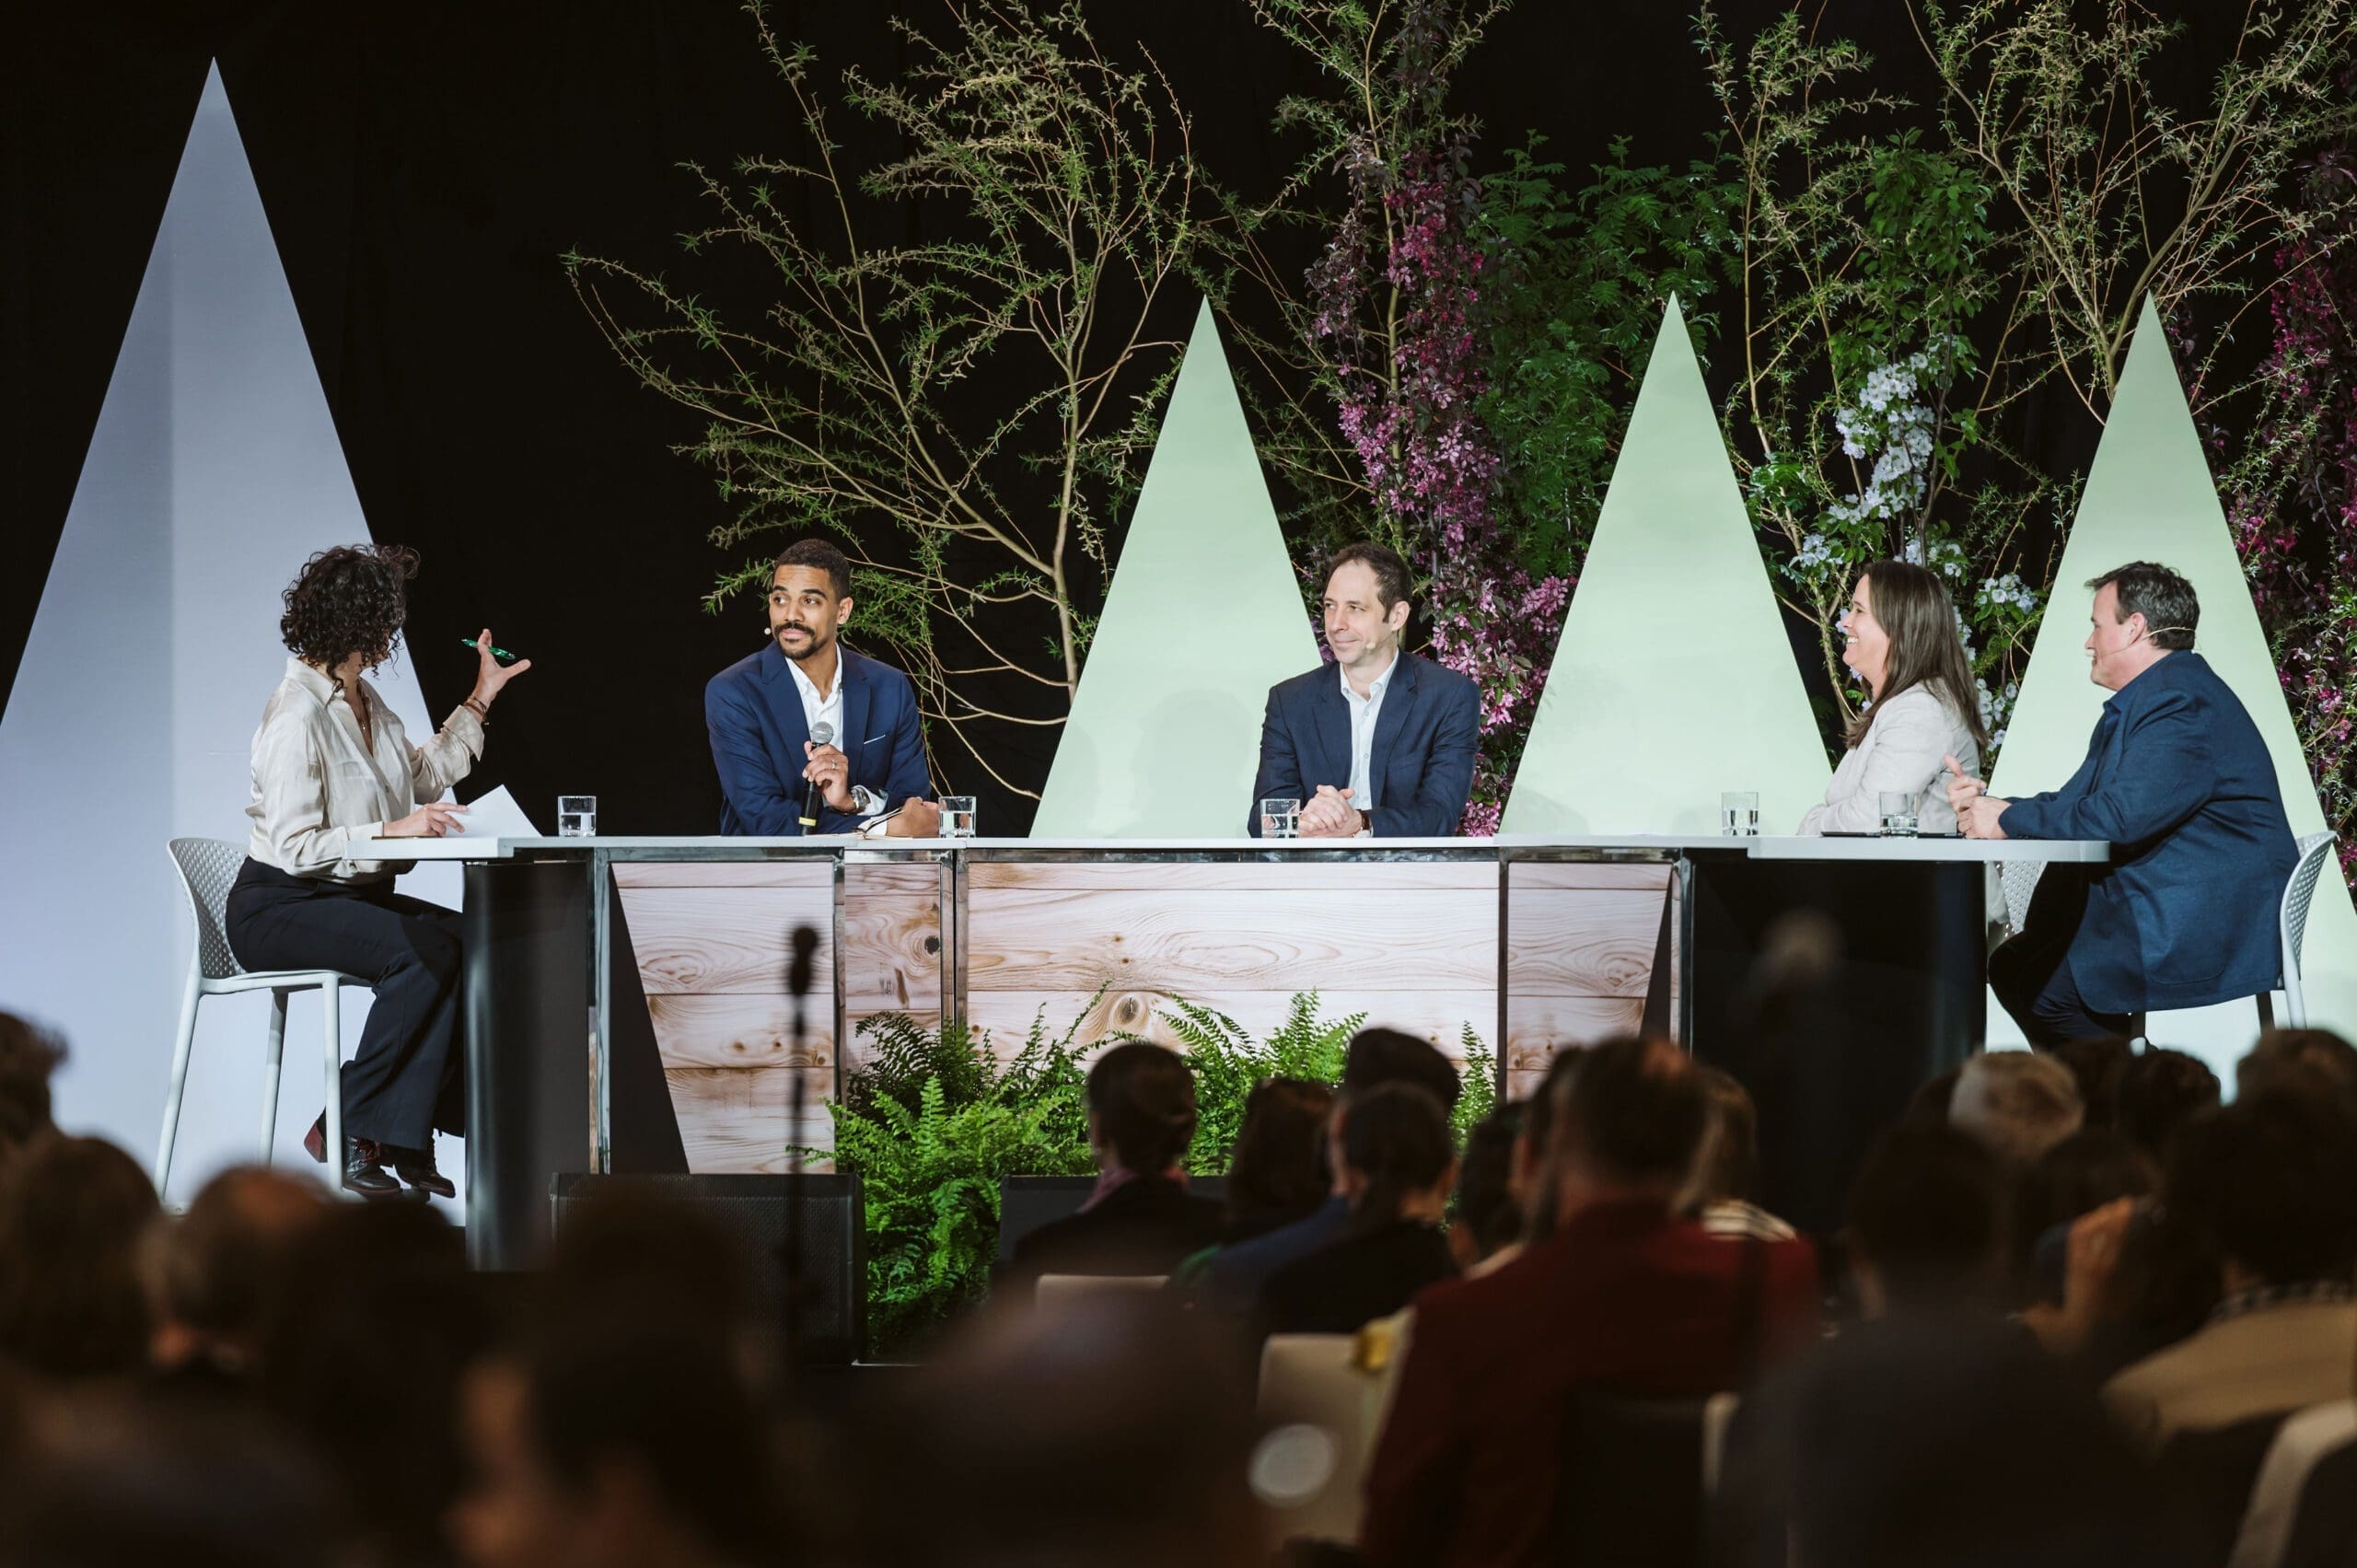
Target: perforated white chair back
{"x":2019,"y":880}
{"x":207,"y":867}
{"x":2292,"y":925}
{"x":1316,"y":1381}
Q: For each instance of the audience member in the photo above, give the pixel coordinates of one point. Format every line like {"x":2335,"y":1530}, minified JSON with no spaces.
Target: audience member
{"x":28,"y":1057}
{"x":362,"y":1357}
{"x":2160,"y":1091}
{"x":2096,"y":1063}
{"x":1486,"y":1227}
{"x":72,"y":1215}
{"x":619,"y":1432}
{"x":1927,"y":1223}
{"x":1933,"y":1098}
{"x":1373,"y":1057}
{"x":2313,"y":1060}
{"x":1396,"y":1164}
{"x":1623,"y":1294}
{"x":2018,"y":1103}
{"x":1117,"y":1432}
{"x":1141,"y":1219}
{"x":2269,"y":1183}
{"x":1726,"y":1173}
{"x":101,"y":1480}
{"x":2080,"y":1174}
{"x":214,"y":1275}
{"x":1277,"y":1173}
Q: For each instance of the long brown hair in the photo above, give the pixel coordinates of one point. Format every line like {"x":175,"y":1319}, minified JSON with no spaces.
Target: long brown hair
{"x":1915,"y":608}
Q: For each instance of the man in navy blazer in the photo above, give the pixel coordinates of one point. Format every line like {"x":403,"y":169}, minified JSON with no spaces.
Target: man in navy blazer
{"x":2179,"y":782}
{"x":1379,"y":742}
{"x":761,"y":711}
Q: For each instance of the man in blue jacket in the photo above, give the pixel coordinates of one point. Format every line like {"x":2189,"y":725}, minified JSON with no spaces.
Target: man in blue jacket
{"x":1379,"y":742}
{"x":2180,"y":783}
{"x":763,"y":710}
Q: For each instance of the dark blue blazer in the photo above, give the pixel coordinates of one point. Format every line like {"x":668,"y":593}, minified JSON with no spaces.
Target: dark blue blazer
{"x":1426,"y":735}
{"x":754,"y":712}
{"x":2179,"y":782}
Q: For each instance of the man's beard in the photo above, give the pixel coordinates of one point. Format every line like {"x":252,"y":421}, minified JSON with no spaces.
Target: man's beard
{"x":819,"y":643}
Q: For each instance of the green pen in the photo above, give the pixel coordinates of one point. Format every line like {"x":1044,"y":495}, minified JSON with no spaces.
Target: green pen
{"x":496,"y":651}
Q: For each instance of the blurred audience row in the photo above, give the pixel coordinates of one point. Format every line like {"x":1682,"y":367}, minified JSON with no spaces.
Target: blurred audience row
{"x":2075,"y":1301}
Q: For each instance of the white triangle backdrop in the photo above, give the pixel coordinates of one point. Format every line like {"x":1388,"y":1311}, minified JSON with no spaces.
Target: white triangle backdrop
{"x":214,"y":472}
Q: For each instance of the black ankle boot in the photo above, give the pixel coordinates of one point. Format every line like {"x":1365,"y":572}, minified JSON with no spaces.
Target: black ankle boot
{"x":416,"y":1166}
{"x":363,"y":1172}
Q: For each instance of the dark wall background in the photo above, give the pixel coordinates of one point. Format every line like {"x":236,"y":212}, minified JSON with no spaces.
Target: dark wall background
{"x":424,"y":166}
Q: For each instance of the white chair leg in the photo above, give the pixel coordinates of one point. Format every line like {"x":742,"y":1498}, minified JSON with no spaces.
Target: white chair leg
{"x":273,"y":1053}
{"x":334,"y":1024}
{"x":185,"y":1041}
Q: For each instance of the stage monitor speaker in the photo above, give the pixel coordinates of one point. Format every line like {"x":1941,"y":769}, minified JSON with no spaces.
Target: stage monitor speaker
{"x":824,"y":1211}
{"x":1027,"y":1202}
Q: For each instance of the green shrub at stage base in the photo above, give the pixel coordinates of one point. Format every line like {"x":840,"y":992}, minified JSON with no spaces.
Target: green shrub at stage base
{"x":932,"y":1119}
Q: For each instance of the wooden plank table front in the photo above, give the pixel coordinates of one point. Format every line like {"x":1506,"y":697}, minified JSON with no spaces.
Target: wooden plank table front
{"x":1519,"y":947}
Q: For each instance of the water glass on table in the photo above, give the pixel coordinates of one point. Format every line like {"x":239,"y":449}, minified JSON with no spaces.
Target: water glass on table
{"x":1900,"y":813}
{"x":956,"y":816}
{"x":1739,"y":814}
{"x":1280,"y":818}
{"x":576,"y":815}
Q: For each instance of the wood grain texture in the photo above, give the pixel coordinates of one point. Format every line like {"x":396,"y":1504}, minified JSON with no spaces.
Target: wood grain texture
{"x":733,"y":1120}
{"x":728,"y":938}
{"x":818,"y":871}
{"x":1368,"y":877}
{"x":1581,"y":942}
{"x":1438,"y":1017}
{"x":748,"y":1030}
{"x":1199,"y":943}
{"x":892,"y":946}
{"x":1608,"y":876}
{"x":1538,"y":1026}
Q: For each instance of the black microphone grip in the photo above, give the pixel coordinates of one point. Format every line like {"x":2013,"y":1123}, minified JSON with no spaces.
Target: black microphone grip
{"x":813,"y":797}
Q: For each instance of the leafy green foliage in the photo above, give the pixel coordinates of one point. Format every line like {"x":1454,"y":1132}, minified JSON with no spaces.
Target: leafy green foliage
{"x":932,"y":1119}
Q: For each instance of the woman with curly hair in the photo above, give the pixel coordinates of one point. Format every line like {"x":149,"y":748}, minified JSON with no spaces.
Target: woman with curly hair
{"x":332,"y":768}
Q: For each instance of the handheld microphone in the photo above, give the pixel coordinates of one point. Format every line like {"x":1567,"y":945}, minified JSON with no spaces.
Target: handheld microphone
{"x":821,"y":734}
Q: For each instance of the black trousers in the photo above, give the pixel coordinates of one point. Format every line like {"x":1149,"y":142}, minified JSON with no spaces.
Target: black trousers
{"x":2030,"y":973}
{"x":406,"y":1083}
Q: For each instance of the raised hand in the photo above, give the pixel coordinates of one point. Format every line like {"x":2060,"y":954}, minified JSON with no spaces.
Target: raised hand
{"x":490,"y":674}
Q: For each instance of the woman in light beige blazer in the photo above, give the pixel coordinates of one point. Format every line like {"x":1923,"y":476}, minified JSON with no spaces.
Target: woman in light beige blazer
{"x":1901,"y":639}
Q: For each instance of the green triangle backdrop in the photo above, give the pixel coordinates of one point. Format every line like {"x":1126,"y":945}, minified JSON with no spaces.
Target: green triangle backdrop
{"x":1674,"y":680}
{"x":2150,"y":496}
{"x":1204,"y":616}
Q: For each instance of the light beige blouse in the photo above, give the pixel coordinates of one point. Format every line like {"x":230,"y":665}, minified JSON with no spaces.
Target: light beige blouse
{"x":319,"y":788}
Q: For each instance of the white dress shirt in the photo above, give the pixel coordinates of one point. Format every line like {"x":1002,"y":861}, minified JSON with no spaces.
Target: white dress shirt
{"x":1363,"y":712}
{"x":828,"y":709}
{"x":1902,"y":751}
{"x":318,"y":787}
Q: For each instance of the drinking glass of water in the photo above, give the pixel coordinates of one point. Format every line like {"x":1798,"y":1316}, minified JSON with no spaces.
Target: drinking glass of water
{"x":956,"y":816}
{"x":1280,"y":818}
{"x":576,"y":815}
{"x":1739,"y":813}
{"x":1899,"y":818}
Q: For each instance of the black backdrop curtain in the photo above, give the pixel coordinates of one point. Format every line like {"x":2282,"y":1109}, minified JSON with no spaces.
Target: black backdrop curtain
{"x":423,"y":167}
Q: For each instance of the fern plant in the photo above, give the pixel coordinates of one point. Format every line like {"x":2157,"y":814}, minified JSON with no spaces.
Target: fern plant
{"x":932,"y":1119}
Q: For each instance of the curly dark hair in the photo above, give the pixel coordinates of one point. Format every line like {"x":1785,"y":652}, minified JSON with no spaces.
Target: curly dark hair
{"x":348,"y":600}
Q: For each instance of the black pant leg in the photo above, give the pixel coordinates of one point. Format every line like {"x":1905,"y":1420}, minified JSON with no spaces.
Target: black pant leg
{"x":412,"y":961}
{"x":450,"y":1099}
{"x":2030,"y":973}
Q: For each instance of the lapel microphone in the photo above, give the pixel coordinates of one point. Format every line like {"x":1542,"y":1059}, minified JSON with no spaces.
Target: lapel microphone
{"x":821,"y":734}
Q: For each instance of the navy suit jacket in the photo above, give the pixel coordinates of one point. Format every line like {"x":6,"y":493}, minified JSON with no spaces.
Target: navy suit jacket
{"x":1426,"y":735}
{"x":2179,"y":782}
{"x":754,"y":712}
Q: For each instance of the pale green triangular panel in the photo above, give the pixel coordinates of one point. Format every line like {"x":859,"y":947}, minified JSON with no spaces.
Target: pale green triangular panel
{"x":1674,"y":680}
{"x":2150,"y":496}
{"x":1202,"y":617}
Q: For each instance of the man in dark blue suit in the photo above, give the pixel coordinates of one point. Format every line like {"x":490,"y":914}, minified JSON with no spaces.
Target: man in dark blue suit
{"x":2179,"y":782}
{"x":762,"y":710}
{"x":1379,"y":742}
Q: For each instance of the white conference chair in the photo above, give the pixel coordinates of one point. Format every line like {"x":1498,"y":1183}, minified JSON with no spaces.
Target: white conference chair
{"x":207,"y":867}
{"x":1315,"y":1380}
{"x":1060,"y":1293}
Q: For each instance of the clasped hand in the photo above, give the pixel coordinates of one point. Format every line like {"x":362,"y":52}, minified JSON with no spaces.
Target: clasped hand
{"x":1329,"y":815}
{"x":1977,"y":811}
